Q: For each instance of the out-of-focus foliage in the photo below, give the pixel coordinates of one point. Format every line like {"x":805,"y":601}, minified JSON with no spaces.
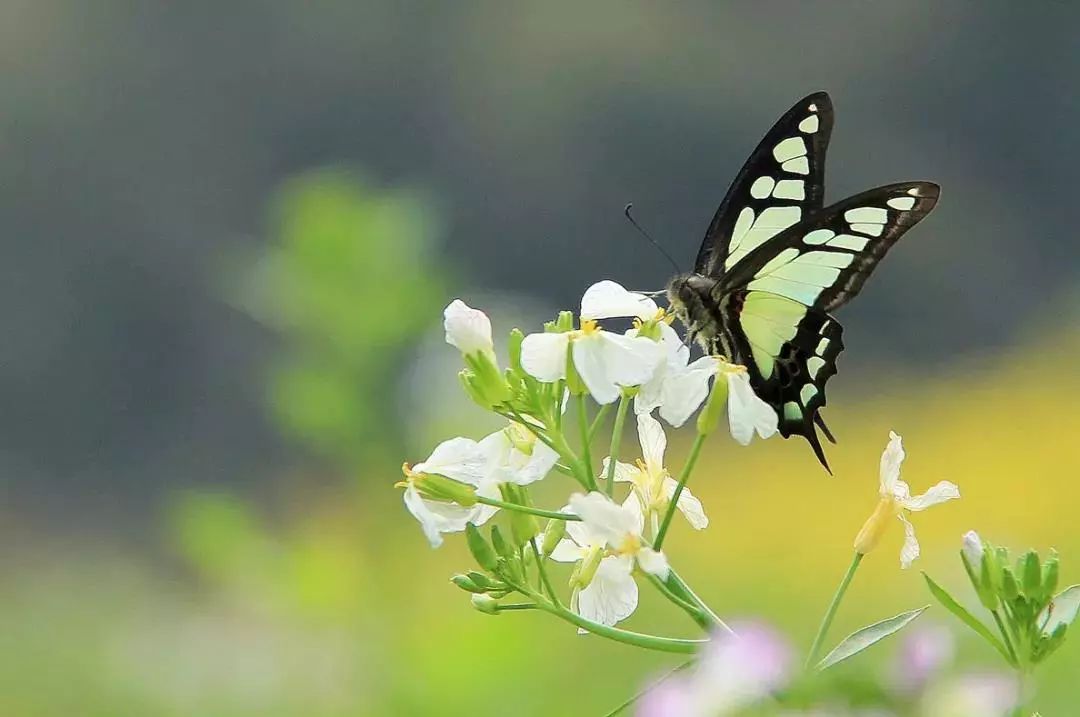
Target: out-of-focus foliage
{"x":349,"y":279}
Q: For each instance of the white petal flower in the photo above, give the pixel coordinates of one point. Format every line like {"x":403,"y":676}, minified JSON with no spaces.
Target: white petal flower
{"x":543,"y":356}
{"x":653,"y":486}
{"x":895,"y":501}
{"x":467,"y":329}
{"x":619,"y":526}
{"x":607,"y":362}
{"x":459,"y":458}
{"x":685,"y":390}
{"x":747,"y":413}
{"x":608,"y":300}
{"x":612,"y":595}
{"x":973,"y":548}
{"x":515,"y":455}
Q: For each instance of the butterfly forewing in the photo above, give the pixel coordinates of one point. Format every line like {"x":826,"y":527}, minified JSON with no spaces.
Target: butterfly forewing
{"x":824,"y":261}
{"x":781,"y":183}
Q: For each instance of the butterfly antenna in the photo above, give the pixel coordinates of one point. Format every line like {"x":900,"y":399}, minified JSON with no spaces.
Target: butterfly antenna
{"x":628,"y":211}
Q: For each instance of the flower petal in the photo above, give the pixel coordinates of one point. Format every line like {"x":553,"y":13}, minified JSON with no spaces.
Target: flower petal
{"x":653,"y":562}
{"x":684,"y":391}
{"x":891,"y":459}
{"x":688,"y":505}
{"x":940,"y":493}
{"x":606,"y":361}
{"x":604,"y":517}
{"x":543,"y":356}
{"x":607,"y":299}
{"x":567,"y":551}
{"x":462,"y":459}
{"x":747,"y":413}
{"x":436,"y":518}
{"x":612,"y":595}
{"x":652,"y":439}
{"x":910,"y":551}
{"x":467,"y":328}
{"x":624,"y":472}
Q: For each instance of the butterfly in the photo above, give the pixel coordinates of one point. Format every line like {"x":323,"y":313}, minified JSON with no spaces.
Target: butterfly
{"x":775,"y":263}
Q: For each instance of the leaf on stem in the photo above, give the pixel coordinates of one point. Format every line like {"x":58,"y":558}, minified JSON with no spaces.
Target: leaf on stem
{"x":859,"y":640}
{"x":950,"y":603}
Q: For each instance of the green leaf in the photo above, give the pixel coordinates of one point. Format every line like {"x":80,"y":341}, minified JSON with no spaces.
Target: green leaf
{"x":1062,"y":611}
{"x":859,"y":640}
{"x":949,"y":603}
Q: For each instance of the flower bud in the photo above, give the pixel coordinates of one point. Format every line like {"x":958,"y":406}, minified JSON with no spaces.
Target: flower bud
{"x":553,"y":534}
{"x":1050,"y":576}
{"x":468,"y":329}
{"x":486,"y":604}
{"x":488,"y":386}
{"x":481,"y":551}
{"x":1030,"y":569}
{"x":523,"y":526}
{"x":436,"y":487}
{"x":502,"y":547}
{"x":875,"y":526}
{"x":973,"y":549}
{"x":514,"y":348}
{"x":466,"y":584}
{"x":1010,"y":589}
{"x":564,"y":322}
{"x":710,"y":415}
{"x":585,"y":570}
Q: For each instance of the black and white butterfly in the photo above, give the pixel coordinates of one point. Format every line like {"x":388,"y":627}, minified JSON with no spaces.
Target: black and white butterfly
{"x":775,"y":263}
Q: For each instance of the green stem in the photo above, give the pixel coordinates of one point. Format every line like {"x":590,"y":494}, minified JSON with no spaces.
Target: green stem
{"x":679,"y":587}
{"x":543,"y":572}
{"x":637,"y":639}
{"x":692,"y":610}
{"x":526,"y":509}
{"x":516,"y":606}
{"x":649,"y":688}
{"x":598,"y":420}
{"x":586,"y":439}
{"x":616,"y":439}
{"x":673,"y":504}
{"x":826,"y":622}
{"x":1004,"y":635}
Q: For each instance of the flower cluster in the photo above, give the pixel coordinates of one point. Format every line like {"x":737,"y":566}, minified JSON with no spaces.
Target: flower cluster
{"x":612,"y":526}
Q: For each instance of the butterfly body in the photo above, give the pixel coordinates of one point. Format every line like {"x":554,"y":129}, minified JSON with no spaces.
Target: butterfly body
{"x":775,"y":263}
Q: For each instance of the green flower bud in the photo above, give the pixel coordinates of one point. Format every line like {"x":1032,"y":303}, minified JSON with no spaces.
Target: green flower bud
{"x":1050,"y":576}
{"x":486,"y":604}
{"x":1030,"y":569}
{"x":486,"y":381}
{"x":481,"y":551}
{"x":503,"y":548}
{"x":514,"y":349}
{"x":436,"y":487}
{"x":585,"y":570}
{"x":1010,"y":589}
{"x":523,"y":526}
{"x":564,"y":322}
{"x":574,"y":384}
{"x":553,"y":533}
{"x":649,"y":329}
{"x":466,"y":584}
{"x":484,"y":581}
{"x":709,"y":418}
{"x":982,"y":585}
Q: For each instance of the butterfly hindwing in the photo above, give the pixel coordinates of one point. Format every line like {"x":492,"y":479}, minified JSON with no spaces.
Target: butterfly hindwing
{"x":790,"y":351}
{"x":781,"y":183}
{"x":824,"y":261}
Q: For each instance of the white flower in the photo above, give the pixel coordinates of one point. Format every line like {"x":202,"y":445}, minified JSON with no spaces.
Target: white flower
{"x":973,"y":549}
{"x":459,"y":459}
{"x":735,"y":671}
{"x":896,"y":501}
{"x":747,"y":413}
{"x":619,"y":527}
{"x":468,"y":329}
{"x":611,"y":595}
{"x":605,"y":361}
{"x":653,"y":486}
{"x":515,"y":455}
{"x":608,"y":300}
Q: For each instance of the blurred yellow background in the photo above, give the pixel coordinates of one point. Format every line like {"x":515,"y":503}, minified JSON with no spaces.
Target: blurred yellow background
{"x":229,"y":235}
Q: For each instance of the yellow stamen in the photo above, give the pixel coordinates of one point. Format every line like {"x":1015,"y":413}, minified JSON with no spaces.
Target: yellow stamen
{"x":589,"y":326}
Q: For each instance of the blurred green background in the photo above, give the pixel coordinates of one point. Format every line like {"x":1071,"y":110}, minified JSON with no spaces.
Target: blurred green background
{"x":228,"y":231}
